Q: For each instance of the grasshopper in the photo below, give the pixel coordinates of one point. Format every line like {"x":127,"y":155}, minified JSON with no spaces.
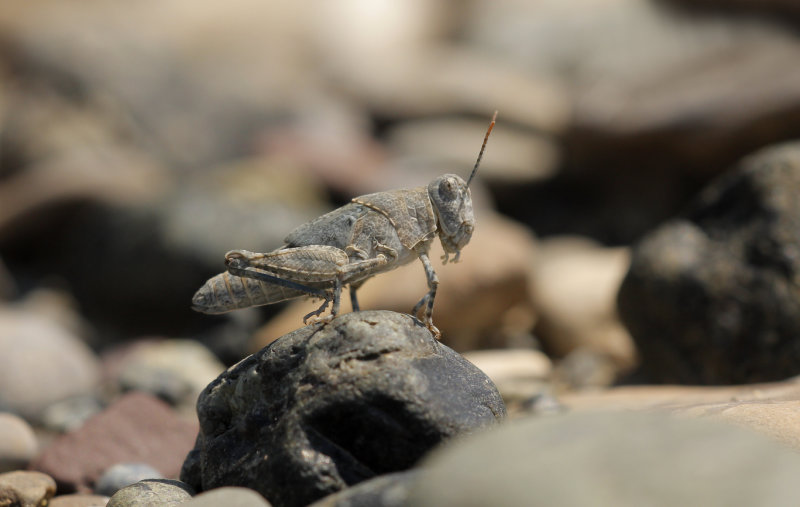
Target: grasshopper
{"x":372,"y":234}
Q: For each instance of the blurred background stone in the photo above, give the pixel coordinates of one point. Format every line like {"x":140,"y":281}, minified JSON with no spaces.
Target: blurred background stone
{"x":136,"y":428}
{"x":18,"y":444}
{"x":711,"y":297}
{"x":41,"y":363}
{"x":121,"y":475}
{"x":574,"y":288}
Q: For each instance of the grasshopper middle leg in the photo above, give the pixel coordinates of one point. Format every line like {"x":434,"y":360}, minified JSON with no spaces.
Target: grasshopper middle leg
{"x":427,"y":299}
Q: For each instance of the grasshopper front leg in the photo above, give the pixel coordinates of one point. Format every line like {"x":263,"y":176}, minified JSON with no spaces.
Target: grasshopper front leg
{"x":427,"y":299}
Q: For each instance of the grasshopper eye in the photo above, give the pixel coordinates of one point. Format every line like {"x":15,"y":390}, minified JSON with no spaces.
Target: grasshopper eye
{"x":448,"y":189}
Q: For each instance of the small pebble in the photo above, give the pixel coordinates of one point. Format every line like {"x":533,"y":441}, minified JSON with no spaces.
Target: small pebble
{"x":124,"y":474}
{"x":161,"y":492}
{"x":18,"y":444}
{"x":79,"y":500}
{"x":25,"y":488}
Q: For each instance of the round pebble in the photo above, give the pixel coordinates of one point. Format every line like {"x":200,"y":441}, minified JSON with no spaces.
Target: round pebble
{"x":41,"y":363}
{"x":124,"y":474}
{"x":18,"y":444}
{"x":161,"y":492}
{"x":26,"y":488}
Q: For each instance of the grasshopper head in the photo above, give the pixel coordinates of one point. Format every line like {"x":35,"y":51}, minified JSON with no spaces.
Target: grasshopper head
{"x":452,"y":203}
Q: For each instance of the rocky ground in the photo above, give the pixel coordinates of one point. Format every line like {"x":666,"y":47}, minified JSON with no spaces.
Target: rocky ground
{"x":622,"y":328}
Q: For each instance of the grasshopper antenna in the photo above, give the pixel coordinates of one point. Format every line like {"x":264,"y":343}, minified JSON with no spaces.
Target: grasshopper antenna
{"x":483,"y":147}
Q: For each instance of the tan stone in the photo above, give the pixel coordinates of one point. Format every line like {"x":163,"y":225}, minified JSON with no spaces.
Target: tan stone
{"x":772,"y":409}
{"x":574,"y":288}
{"x":518,"y":373}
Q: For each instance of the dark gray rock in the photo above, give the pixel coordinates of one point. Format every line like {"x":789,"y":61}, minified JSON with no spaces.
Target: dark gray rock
{"x":391,"y":490}
{"x":329,"y":406}
{"x":622,"y":459}
{"x":161,"y":492}
{"x":121,"y":475}
{"x":711,"y":297}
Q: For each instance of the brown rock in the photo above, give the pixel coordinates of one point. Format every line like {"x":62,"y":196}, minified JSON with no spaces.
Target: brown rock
{"x":79,"y":500}
{"x":482,"y":301}
{"x":136,"y":428}
{"x":25,"y":489}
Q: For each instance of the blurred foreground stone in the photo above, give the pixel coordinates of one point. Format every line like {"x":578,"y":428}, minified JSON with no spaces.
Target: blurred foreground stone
{"x":329,"y":406}
{"x":772,"y":409}
{"x":712,"y":296}
{"x":610,"y":459}
{"x":389,"y":490}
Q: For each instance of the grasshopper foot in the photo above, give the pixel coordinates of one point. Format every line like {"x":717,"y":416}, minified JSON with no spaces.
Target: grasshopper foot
{"x":316,"y":314}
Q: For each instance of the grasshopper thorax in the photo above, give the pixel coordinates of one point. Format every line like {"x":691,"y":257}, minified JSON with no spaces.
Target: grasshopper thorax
{"x":452,"y":204}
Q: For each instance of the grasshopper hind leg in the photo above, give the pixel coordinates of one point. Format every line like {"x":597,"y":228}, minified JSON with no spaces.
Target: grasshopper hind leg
{"x":337,"y":293}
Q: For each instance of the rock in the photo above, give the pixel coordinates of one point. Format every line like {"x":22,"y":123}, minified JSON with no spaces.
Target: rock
{"x":482,"y":301}
{"x":390,"y":490}
{"x":779,"y":9}
{"x":137,"y":428}
{"x":711,"y":296}
{"x":519,"y":374}
{"x":7,"y":285}
{"x":329,"y":406}
{"x":124,"y":474}
{"x":229,"y":497}
{"x":574,"y":289}
{"x":610,"y":459}
{"x":18,"y":444}
{"x":514,"y":156}
{"x":26,"y":489}
{"x":645,"y":134}
{"x":67,"y":415}
{"x":78,"y":500}
{"x":770,"y":409}
{"x":41,"y":363}
{"x":161,"y":492}
{"x":174,"y":370}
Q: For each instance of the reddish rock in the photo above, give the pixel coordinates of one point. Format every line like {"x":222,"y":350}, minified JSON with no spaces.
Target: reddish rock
{"x":136,"y":428}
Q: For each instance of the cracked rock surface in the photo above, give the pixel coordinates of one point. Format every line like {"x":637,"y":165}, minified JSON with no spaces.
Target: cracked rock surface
{"x":329,"y":406}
